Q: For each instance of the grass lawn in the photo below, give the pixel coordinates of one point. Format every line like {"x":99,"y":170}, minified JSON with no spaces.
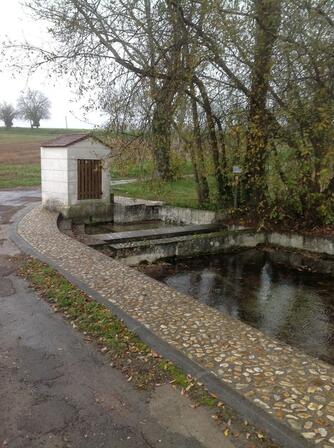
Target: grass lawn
{"x":122,"y":170}
{"x":19,"y":175}
{"x":141,"y":170}
{"x":180,"y":193}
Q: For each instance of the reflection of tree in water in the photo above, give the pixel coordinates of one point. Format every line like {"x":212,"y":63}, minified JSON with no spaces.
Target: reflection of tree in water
{"x":294,"y":307}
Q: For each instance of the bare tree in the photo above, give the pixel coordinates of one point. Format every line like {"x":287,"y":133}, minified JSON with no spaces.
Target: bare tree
{"x":34,"y":106}
{"x":95,"y":40}
{"x":7,"y":114}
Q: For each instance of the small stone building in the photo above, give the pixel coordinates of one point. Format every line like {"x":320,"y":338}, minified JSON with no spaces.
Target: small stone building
{"x":75,"y":177}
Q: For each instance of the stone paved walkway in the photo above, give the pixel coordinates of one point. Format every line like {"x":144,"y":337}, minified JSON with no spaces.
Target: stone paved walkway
{"x":292,"y":387}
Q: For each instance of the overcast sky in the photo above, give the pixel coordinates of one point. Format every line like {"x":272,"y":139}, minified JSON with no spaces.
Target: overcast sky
{"x":16,"y":23}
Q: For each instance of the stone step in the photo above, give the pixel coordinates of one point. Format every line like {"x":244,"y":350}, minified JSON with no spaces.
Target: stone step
{"x":135,"y":252}
{"x":149,"y":243}
{"x":158,"y":233}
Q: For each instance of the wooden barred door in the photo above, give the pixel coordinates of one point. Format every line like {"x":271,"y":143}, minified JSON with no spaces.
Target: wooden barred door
{"x":89,"y":179}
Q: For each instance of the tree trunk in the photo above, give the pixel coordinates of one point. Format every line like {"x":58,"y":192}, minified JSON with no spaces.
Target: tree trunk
{"x":268,"y":16}
{"x":161,"y":133}
{"x":203,"y":186}
{"x":197,"y":178}
{"x":321,"y":130}
{"x":164,"y":95}
{"x":223,"y":158}
{"x":221,"y":190}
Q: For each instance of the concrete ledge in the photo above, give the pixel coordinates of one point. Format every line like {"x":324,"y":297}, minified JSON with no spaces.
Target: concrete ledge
{"x":246,"y":369}
{"x":319,"y":245}
{"x":151,"y":250}
{"x":84,"y":212}
{"x":131,"y":210}
{"x":182,"y":215}
{"x":134,"y":210}
{"x":127,"y":210}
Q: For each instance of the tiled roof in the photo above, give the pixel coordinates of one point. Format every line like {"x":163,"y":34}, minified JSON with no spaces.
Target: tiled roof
{"x":65,"y":140}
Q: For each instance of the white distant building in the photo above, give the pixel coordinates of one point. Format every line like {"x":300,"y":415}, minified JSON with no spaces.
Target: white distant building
{"x":75,"y":177}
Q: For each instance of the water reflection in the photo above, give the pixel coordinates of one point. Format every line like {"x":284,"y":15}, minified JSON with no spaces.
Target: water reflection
{"x":295,"y":307}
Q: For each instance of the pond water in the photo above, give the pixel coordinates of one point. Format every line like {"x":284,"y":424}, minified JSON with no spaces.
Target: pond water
{"x":295,"y":307}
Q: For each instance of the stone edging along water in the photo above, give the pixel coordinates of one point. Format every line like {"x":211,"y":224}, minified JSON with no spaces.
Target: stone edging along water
{"x":127,"y":210}
{"x":293,"y":251}
{"x":288,"y":393}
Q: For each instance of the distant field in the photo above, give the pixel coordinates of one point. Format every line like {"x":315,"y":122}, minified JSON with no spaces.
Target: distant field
{"x":20,"y":166}
{"x":19,"y":154}
{"x":22,"y":145}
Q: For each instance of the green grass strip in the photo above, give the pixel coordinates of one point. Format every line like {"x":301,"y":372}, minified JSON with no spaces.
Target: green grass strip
{"x":27,"y":175}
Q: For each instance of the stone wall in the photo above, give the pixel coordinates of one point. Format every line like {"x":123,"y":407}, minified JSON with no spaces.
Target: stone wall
{"x":181,"y":215}
{"x":54,"y":177}
{"x":184,"y":246}
{"x":300,"y":249}
{"x":300,"y":260}
{"x":129,"y":210}
{"x":315,"y":244}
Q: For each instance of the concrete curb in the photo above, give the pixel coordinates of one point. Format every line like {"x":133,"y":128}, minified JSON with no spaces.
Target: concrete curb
{"x":278,"y":431}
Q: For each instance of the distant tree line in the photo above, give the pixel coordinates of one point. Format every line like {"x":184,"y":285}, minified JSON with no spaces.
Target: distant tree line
{"x":32,"y":106}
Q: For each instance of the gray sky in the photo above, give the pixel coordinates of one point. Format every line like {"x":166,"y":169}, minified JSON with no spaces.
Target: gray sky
{"x":16,"y":23}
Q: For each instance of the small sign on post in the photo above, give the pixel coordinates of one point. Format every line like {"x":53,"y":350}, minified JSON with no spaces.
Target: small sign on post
{"x":236,"y":171}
